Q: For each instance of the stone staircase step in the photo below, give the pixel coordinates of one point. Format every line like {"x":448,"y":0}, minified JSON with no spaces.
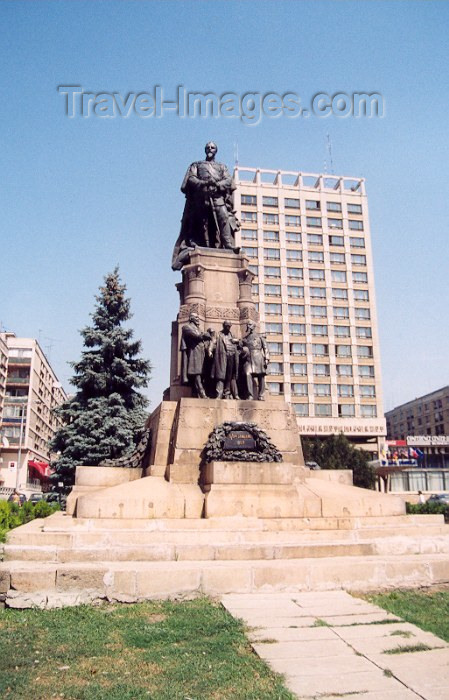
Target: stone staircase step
{"x":45,"y":584}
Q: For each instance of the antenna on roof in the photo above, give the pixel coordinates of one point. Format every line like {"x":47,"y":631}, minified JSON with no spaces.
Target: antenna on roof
{"x":236,"y":153}
{"x":329,"y":150}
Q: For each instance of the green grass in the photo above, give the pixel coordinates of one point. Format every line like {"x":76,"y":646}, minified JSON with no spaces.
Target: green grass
{"x":406,"y":649}
{"x":429,"y":610}
{"x":159,"y":650}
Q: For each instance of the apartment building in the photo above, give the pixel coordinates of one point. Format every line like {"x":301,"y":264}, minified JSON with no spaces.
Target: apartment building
{"x":27,"y":423}
{"x":427,"y":415}
{"x":308,"y":240}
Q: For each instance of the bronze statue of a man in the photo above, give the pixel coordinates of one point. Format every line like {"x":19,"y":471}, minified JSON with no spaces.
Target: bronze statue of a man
{"x":255,"y":358}
{"x":209,"y":218}
{"x":226,"y":363}
{"x":193,"y":351}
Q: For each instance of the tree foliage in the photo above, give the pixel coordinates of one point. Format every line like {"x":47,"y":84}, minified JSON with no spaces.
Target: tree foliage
{"x":105,"y":417}
{"x":336,"y":452}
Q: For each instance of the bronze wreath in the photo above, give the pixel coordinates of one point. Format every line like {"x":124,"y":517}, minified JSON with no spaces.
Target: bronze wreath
{"x":265,"y":450}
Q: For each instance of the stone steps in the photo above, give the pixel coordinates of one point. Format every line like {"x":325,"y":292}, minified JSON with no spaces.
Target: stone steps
{"x":45,"y":584}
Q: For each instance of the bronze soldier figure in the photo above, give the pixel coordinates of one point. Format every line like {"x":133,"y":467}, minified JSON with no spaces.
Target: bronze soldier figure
{"x":193,"y":351}
{"x":226,"y":363}
{"x":255,"y":359}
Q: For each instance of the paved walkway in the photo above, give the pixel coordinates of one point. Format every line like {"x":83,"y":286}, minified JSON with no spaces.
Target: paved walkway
{"x":333,"y":646}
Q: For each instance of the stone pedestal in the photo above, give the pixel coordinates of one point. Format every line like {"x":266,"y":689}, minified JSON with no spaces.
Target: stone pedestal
{"x":216,"y":284}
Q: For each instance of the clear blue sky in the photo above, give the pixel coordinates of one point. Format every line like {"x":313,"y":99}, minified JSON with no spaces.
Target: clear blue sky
{"x":80,"y":195}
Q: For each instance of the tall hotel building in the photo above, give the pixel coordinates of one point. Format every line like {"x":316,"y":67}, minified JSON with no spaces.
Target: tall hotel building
{"x":308,"y":240}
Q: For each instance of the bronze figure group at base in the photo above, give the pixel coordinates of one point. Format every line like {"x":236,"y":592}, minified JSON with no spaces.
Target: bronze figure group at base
{"x":217,"y":364}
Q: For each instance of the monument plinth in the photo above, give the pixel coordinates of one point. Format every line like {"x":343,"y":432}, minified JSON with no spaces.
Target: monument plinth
{"x":216,"y":285}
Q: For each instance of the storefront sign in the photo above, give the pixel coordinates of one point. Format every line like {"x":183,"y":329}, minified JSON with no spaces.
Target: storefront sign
{"x":428,"y":440}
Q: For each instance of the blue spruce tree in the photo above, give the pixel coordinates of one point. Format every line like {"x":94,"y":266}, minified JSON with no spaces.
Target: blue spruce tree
{"x":105,"y":417}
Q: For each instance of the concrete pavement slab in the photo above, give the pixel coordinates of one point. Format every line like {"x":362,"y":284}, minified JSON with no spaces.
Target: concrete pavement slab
{"x":337,"y":620}
{"x":396,"y":694}
{"x":292,"y":634}
{"x":372,"y":631}
{"x":268,"y":620}
{"x":379,"y":645}
{"x":302,"y":650}
{"x":318,"y":667}
{"x":347,"y":683}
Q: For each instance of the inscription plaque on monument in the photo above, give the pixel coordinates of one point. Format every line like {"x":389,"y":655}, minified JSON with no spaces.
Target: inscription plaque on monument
{"x":239,"y":440}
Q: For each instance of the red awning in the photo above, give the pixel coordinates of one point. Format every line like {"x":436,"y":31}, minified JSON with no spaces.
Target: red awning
{"x":42,"y":468}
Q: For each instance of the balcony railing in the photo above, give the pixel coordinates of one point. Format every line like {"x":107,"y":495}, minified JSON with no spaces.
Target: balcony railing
{"x":17,"y":380}
{"x":19,"y":360}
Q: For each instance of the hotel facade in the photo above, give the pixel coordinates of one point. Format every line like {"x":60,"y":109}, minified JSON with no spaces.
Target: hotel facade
{"x":308,"y":240}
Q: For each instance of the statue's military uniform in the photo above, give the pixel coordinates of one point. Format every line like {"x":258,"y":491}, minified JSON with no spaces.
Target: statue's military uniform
{"x":256,"y":356}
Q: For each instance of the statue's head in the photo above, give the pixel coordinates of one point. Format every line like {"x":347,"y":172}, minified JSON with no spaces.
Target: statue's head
{"x":194,"y":318}
{"x":250,"y":326}
{"x":210,"y":149}
{"x":227,"y":326}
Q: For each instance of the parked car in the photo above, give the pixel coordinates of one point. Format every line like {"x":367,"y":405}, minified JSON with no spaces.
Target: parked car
{"x":21,"y":496}
{"x":441,"y":498}
{"x":35,"y":497}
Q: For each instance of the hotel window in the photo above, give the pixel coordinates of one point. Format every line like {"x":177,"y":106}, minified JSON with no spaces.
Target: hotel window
{"x":318,"y":311}
{"x":295,"y":273}
{"x":356,"y":242}
{"x":291,"y":203}
{"x":270,"y":201}
{"x":295,"y":310}
{"x":343,"y":351}
{"x":362,"y":314}
{"x":314,"y":239}
{"x":313,"y":204}
{"x":319,"y":329}
{"x":249,"y":199}
{"x":321,"y":370}
{"x":249,"y":234}
{"x":273,"y":290}
{"x":358,"y":259}
{"x":292,"y":237}
{"x":272,"y":271}
{"x":301,"y":409}
{"x":333,"y":206}
{"x":255,"y":289}
{"x":366,"y":371}
{"x":298,"y":389}
{"x":338,"y":275}
{"x":298,"y":369}
{"x":361,"y":295}
{"x":322,"y":389}
{"x":313,"y":221}
{"x":346,"y":410}
{"x":345,"y":391}
{"x":250,"y":252}
{"x":273,"y":328}
{"x":342,"y":332}
{"x":273,"y":309}
{"x":368,"y":411}
{"x":317,"y":292}
{"x":323,"y":409}
{"x":339,"y":293}
{"x":275,"y":388}
{"x":335,"y":223}
{"x":275,"y":368}
{"x":359,"y":277}
{"x":341,"y":312}
{"x":249,"y":216}
{"x":297,"y":348}
{"x":336,"y":240}
{"x":316,"y":256}
{"x":271,"y":253}
{"x":344,"y":370}
{"x":295,"y":292}
{"x":355,"y":225}
{"x":354,"y":208}
{"x":271,"y":236}
{"x":316,"y":274}
{"x":363,"y":332}
{"x":275,"y":348}
{"x":337,"y":258}
{"x":270,"y":219}
{"x":294,"y":254}
{"x":297,"y":328}
{"x":320,"y":350}
{"x":368,"y":391}
{"x":291,"y":220}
